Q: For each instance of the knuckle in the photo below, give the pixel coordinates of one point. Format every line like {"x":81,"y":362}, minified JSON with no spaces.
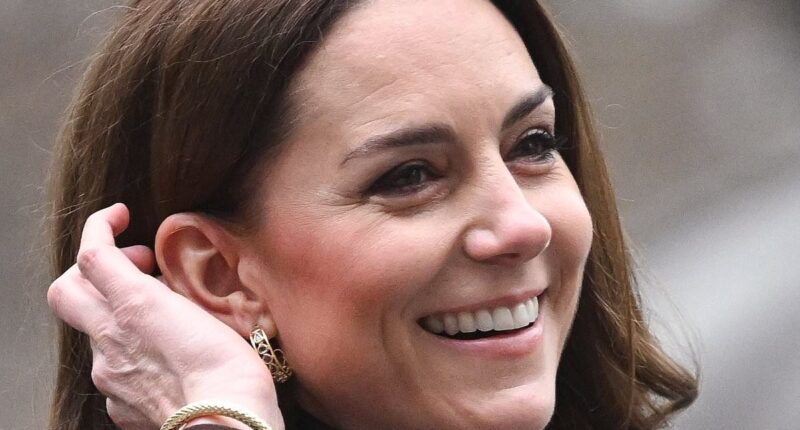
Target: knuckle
{"x":55,"y":296}
{"x":101,"y":377}
{"x":118,"y":413}
{"x":127,"y":419}
{"x":87,"y":258}
{"x":112,"y":410}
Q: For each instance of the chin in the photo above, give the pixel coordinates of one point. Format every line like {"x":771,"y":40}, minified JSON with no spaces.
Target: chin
{"x":535,"y":417}
{"x":519,"y":408}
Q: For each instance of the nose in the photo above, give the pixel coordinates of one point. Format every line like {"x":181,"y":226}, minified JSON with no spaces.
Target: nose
{"x":508,"y":229}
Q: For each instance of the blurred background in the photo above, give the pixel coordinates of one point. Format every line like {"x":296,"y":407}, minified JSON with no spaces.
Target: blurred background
{"x":699,"y":106}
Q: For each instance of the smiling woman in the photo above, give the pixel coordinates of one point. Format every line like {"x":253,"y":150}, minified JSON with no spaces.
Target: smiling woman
{"x":414,"y":208}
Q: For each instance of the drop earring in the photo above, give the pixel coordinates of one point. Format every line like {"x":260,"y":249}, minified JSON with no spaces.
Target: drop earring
{"x":273,"y":358}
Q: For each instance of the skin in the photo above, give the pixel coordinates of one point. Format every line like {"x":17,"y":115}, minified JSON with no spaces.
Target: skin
{"x":147,"y":357}
{"x":343,"y":262}
{"x":348,"y":273}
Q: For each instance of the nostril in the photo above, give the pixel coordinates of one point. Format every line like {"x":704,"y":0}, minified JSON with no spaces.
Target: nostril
{"x":511,"y":258}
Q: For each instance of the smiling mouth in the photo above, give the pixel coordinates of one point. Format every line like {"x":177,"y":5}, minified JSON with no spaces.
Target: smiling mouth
{"x":483,"y":323}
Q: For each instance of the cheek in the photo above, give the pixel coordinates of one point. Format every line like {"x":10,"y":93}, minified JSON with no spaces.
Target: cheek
{"x":572,"y":229}
{"x":341,"y":288}
{"x":570,"y":246}
{"x":337,"y":283}
{"x":366,"y":267}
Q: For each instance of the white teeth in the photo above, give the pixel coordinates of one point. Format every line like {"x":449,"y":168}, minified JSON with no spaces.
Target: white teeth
{"x":498,"y":319}
{"x":466,"y":322}
{"x":434,"y":325}
{"x":520,"y":314}
{"x":450,"y":324}
{"x":533,"y":308}
{"x":502,"y":319}
{"x":484,"y":320}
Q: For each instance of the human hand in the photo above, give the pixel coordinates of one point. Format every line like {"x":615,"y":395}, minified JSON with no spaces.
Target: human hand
{"x":153,"y":350}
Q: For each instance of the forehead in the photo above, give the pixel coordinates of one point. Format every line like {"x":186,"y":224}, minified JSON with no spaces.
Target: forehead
{"x":388,"y":59}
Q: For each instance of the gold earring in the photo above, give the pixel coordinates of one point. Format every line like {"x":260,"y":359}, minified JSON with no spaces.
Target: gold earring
{"x":273,"y":358}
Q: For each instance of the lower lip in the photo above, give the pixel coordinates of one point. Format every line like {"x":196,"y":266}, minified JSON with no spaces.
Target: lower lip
{"x":511,"y":345}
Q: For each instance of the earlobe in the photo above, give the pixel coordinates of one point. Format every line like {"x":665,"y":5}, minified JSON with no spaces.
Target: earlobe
{"x":199,"y":259}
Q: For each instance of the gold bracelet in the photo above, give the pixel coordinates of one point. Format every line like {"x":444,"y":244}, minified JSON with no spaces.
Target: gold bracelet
{"x":204,"y":409}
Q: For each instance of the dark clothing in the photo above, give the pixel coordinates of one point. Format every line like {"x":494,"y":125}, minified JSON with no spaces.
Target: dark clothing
{"x":306,"y":421}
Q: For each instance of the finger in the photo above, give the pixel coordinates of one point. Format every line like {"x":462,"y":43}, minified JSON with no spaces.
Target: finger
{"x":111,"y":273}
{"x":102,"y":226}
{"x":73,"y":299}
{"x":99,"y":260}
{"x":142,"y":257}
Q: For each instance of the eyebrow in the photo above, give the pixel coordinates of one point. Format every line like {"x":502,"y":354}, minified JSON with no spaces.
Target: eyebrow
{"x":526,"y":105}
{"x":432,"y":133}
{"x":442,"y":133}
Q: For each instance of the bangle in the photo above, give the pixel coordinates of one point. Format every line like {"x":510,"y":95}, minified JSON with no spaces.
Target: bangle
{"x":203,"y":409}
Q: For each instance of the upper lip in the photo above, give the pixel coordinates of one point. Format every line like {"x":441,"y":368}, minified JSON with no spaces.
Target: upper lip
{"x":506,"y":300}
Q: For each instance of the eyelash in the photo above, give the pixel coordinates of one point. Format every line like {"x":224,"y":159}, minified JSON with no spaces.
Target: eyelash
{"x":547,"y":145}
{"x":390,"y":184}
{"x":396,"y":183}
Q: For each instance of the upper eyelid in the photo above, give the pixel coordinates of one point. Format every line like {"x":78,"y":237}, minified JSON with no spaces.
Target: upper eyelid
{"x":542,"y":117}
{"x":535,"y":130}
{"x":431,"y":171}
{"x":551,"y":137}
{"x":524,"y":133}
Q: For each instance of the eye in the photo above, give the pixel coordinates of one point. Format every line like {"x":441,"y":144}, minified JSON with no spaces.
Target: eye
{"x":536,"y":145}
{"x":404,"y":179}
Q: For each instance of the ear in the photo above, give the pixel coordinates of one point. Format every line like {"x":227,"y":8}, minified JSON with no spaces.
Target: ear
{"x":199,"y":258}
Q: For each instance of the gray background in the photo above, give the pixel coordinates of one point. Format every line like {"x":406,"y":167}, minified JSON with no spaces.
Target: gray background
{"x":699,"y":102}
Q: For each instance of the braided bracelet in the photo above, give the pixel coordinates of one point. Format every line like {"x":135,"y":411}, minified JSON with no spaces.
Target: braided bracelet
{"x":203,"y":409}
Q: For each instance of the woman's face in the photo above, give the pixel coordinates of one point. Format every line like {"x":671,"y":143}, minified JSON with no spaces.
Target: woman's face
{"x":419,"y":193}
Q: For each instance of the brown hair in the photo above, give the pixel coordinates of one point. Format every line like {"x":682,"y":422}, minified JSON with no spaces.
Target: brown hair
{"x":187,"y":97}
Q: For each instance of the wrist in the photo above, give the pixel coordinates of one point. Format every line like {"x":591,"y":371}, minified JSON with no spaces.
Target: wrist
{"x":254,"y":393}
{"x":217,"y":421}
{"x":216,"y":414}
